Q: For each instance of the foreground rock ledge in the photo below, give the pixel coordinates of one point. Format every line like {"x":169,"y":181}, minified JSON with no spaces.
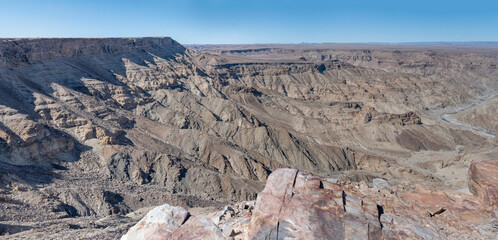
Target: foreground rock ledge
{"x":297,"y":205}
{"x":483,"y":181}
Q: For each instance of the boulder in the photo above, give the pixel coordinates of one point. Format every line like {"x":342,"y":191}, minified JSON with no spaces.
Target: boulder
{"x":295,"y":205}
{"x":158,"y":223}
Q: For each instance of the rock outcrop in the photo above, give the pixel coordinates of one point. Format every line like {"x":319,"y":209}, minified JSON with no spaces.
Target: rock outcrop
{"x":297,"y":205}
{"x":483,"y":181}
{"x":158,"y":223}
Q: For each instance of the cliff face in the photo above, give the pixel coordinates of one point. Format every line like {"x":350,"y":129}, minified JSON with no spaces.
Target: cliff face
{"x":104,"y":127}
{"x":15,"y":52}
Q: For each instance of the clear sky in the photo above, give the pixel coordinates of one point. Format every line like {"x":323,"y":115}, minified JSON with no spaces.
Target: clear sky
{"x":255,"y":21}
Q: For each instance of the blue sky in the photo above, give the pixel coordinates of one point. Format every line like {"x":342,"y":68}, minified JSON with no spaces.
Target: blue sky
{"x":255,"y":21}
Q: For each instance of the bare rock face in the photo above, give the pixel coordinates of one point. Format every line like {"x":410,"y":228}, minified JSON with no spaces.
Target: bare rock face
{"x":300,"y":206}
{"x":198,"y":228}
{"x":28,"y":142}
{"x":297,"y":205}
{"x":483,"y":181}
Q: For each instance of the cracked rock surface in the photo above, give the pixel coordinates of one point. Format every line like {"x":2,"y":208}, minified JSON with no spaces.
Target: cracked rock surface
{"x":298,"y":205}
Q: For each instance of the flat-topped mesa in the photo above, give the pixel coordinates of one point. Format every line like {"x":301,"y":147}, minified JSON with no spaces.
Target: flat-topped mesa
{"x":16,"y":52}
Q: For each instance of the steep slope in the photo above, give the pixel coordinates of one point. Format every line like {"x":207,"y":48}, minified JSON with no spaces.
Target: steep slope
{"x":483,"y":116}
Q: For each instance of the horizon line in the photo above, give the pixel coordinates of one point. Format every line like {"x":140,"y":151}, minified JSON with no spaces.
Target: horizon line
{"x":444,"y":42}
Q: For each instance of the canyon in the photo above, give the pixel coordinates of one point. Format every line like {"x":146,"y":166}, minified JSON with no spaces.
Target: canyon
{"x":95,"y":133}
